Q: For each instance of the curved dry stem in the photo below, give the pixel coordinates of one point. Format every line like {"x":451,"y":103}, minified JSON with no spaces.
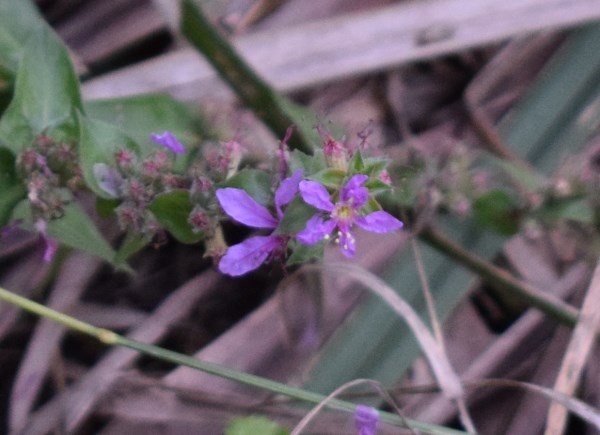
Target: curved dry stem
{"x":303,"y":424}
{"x":438,"y":360}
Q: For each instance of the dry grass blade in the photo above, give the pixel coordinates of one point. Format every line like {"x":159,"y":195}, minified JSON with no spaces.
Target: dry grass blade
{"x":444,"y":373}
{"x":577,"y":353}
{"x":577,"y":407}
{"x":292,"y":58}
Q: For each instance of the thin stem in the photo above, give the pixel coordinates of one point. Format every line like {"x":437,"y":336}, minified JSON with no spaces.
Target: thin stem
{"x":463,"y":411}
{"x":546,"y":303}
{"x":110,"y":338}
{"x":435,"y":323}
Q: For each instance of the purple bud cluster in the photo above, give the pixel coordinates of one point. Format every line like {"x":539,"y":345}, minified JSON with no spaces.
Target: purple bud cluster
{"x":50,"y":170}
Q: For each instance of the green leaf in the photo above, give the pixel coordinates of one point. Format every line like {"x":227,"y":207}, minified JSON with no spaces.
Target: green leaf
{"x":497,"y":210}
{"x":528,"y":179}
{"x":302,"y":254}
{"x":376,"y":186}
{"x":98,"y":142}
{"x":139,"y":116}
{"x":172,"y":210}
{"x":310,"y":164}
{"x":74,"y":229}
{"x":132,"y":244}
{"x":357,"y":165}
{"x":106,"y":207}
{"x":18,"y":20}
{"x":46,"y":93}
{"x":329,"y":177}
{"x":11,"y":188}
{"x":374,"y":166}
{"x":254,"y":425}
{"x":255,"y":182}
{"x":295,"y":216}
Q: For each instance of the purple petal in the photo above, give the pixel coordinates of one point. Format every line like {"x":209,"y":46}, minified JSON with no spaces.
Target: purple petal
{"x":316,"y":230}
{"x":354,"y":192}
{"x":347,"y":244}
{"x":248,"y":255}
{"x":315,"y":194}
{"x":366,"y":420}
{"x":287,"y":190}
{"x":108,"y":179}
{"x":378,"y":222}
{"x":244,"y":209}
{"x":51,"y":248}
{"x":168,"y":140}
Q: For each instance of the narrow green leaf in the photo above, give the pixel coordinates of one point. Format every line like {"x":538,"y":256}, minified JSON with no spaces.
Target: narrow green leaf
{"x":374,"y":166}
{"x":172,"y":210}
{"x":357,"y":165}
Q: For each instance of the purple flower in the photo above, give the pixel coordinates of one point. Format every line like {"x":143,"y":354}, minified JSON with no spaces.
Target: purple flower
{"x":342,"y":215}
{"x":254,"y":251}
{"x":168,"y":140}
{"x":51,"y":244}
{"x":366,"y":420}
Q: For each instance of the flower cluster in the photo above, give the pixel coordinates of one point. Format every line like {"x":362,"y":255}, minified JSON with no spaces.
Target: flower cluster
{"x":137,"y":182}
{"x":337,"y":208}
{"x":308,"y":200}
{"x":50,"y":171}
{"x":51,"y":174}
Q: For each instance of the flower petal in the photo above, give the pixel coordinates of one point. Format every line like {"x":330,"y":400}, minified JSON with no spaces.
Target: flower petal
{"x":287,"y":190}
{"x":248,"y":255}
{"x":366,"y":420}
{"x":354,"y":192}
{"x":169,"y":141}
{"x":347,"y":244}
{"x":244,"y":209}
{"x":378,"y":222}
{"x":316,"y":229}
{"x":50,"y":250}
{"x":316,"y":194}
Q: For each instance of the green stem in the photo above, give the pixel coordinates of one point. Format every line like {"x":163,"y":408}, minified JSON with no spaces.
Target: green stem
{"x":546,"y":303}
{"x":276,"y":111}
{"x":110,"y":338}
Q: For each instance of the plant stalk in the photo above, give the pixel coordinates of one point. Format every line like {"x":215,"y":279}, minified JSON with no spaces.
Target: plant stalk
{"x":110,"y":338}
{"x":546,"y":303}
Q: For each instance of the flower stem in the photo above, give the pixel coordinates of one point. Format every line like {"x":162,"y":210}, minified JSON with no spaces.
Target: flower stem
{"x":110,"y":338}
